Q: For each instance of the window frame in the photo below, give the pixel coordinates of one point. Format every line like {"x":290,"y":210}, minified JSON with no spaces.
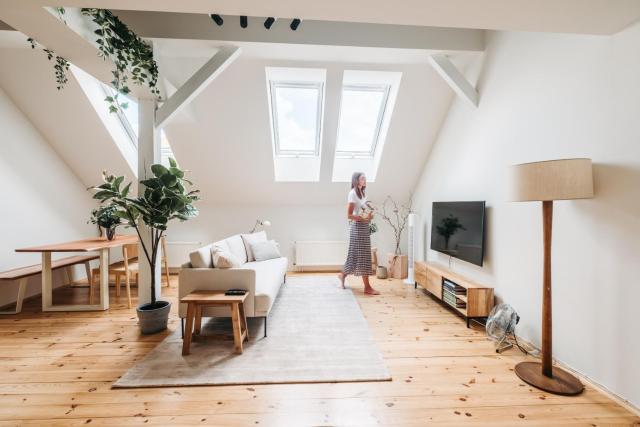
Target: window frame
{"x":273,"y":86}
{"x":385,"y":89}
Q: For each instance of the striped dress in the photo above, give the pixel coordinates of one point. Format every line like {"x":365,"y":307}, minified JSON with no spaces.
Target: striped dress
{"x":359,"y":256}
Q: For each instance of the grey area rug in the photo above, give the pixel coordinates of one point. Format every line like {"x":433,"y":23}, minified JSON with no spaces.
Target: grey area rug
{"x":316,"y":333}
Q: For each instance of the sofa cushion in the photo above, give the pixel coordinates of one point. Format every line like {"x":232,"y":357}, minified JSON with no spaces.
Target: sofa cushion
{"x":201,"y":258}
{"x":250,"y":239}
{"x":269,"y":277}
{"x":263,"y":251}
{"x":223,"y":258}
{"x":222,"y":245}
{"x":236,"y":247}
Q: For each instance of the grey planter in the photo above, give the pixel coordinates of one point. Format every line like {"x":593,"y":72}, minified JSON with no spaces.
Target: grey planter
{"x":153,"y":318}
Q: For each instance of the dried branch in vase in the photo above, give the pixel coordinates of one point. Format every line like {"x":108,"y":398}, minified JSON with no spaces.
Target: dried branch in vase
{"x":396,"y":215}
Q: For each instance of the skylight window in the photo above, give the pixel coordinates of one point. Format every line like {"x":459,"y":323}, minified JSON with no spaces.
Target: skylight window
{"x":366,"y":108}
{"x":128,"y":115}
{"x":297,"y":113}
{"x":296,"y":109}
{"x":361,"y":112}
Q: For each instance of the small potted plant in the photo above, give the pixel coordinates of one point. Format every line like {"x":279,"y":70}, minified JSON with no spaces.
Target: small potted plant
{"x":165,"y":197}
{"x":106,"y":217}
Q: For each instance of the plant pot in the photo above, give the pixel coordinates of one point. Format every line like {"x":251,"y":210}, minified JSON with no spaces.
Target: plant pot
{"x":381,"y":272}
{"x":111,"y":233}
{"x":398,"y":266}
{"x":153,"y":318}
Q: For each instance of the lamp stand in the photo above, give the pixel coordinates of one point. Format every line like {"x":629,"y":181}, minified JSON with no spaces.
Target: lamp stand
{"x":544,"y":375}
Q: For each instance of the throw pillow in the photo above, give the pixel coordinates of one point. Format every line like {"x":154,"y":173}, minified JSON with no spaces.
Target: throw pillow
{"x":250,"y":239}
{"x":223,"y":258}
{"x":265,"y":250}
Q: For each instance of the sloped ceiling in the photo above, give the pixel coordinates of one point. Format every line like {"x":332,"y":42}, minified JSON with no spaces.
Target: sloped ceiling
{"x":224,"y":137}
{"x":65,"y":118}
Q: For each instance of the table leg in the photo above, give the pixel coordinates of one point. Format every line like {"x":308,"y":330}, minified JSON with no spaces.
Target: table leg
{"x":243,"y":319}
{"x":104,"y":279}
{"x":237,"y":333}
{"x":188,"y":333}
{"x":198,"y":320}
{"x":47,"y":281}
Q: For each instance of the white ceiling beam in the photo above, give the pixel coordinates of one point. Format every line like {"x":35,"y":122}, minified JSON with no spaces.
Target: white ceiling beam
{"x":196,"y":84}
{"x":37,"y":22}
{"x":190,"y":26}
{"x":454,"y":78}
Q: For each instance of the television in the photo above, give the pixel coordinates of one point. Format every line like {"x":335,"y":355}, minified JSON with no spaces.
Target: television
{"x":457,"y":230}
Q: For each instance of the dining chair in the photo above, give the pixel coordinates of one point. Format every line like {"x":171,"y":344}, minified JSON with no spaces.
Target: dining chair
{"x":128,"y":267}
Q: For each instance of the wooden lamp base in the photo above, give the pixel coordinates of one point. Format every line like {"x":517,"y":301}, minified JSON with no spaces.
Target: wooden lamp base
{"x":561,"y":382}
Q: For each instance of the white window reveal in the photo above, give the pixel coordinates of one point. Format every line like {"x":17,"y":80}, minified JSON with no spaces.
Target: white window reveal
{"x":296,"y":111}
{"x":366,"y":108}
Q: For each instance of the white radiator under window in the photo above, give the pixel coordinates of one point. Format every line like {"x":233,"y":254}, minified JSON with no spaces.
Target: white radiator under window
{"x":320,"y":254}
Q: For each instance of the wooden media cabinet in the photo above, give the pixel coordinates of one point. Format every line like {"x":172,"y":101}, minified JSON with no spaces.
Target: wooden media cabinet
{"x":470,"y":299}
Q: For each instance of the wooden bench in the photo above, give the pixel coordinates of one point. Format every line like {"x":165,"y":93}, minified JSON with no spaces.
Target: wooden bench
{"x":22,"y":275}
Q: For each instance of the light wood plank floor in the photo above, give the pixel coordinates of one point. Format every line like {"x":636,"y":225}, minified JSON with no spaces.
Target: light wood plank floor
{"x":57,"y":369}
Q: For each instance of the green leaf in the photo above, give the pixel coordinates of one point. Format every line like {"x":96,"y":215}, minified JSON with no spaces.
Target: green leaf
{"x":159,"y":170}
{"x":176,"y":172}
{"x":125,"y":190}
{"x":173,"y":163}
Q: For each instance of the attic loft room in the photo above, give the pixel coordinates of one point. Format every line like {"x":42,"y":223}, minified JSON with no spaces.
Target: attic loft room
{"x":319,"y":214}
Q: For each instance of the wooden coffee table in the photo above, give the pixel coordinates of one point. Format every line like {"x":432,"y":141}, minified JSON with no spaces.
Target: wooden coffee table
{"x":198,"y":299}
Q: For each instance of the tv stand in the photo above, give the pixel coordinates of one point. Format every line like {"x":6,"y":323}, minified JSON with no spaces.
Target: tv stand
{"x":464,"y":296}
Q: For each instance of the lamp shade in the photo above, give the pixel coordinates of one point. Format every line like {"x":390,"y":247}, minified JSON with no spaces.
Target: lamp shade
{"x":563,"y":179}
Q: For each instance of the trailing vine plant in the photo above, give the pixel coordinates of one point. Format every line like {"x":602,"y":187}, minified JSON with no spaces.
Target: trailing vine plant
{"x":60,"y":67}
{"x":132,"y":56}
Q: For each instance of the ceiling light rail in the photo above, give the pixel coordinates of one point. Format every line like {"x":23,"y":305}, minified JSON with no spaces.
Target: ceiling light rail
{"x":268,"y":22}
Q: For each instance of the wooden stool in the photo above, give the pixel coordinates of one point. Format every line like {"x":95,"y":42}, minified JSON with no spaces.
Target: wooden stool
{"x":198,"y":299}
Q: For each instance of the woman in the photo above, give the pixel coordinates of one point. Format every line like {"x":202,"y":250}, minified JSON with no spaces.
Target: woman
{"x":359,"y":257}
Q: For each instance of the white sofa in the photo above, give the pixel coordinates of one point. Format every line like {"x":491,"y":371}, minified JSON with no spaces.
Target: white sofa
{"x":262,"y":279}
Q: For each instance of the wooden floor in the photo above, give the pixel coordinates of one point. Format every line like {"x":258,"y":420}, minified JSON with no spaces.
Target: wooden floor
{"x":57,"y":370}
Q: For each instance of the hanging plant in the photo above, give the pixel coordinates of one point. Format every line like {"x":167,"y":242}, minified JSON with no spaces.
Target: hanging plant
{"x":132,"y":56}
{"x":60,"y":67}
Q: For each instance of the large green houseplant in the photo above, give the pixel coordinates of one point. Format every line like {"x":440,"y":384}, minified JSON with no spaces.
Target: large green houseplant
{"x":165,"y":197}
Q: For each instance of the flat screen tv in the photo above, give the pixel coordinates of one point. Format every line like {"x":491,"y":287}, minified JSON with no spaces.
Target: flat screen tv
{"x":457,"y":229}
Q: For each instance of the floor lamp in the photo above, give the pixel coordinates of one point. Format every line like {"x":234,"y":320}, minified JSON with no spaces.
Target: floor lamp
{"x":565,"y":179}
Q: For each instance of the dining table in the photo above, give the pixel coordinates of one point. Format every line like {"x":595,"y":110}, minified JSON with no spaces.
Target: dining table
{"x":101,"y":245}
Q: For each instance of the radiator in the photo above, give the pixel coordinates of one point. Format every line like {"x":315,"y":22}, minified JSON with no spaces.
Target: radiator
{"x":314,"y":254}
{"x":178,"y":252}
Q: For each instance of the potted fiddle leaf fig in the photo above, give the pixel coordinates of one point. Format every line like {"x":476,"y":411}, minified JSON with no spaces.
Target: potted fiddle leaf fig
{"x":165,"y":197}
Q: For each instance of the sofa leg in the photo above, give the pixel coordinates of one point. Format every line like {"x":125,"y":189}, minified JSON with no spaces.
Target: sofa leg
{"x":182,"y":327}
{"x":265,"y":326}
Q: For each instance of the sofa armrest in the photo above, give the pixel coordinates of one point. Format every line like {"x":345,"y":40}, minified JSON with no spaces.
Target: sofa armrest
{"x":217,"y":279}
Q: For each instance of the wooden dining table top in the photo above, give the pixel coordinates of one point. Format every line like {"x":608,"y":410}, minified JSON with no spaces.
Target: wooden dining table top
{"x":91,"y":244}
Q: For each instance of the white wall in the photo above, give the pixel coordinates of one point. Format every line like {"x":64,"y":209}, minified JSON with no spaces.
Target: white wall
{"x":289,"y":223}
{"x":42,"y":200}
{"x":546,"y":96}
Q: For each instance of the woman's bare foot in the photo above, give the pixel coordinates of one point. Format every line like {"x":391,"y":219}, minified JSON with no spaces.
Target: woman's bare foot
{"x":342,"y":277}
{"x":371,"y":291}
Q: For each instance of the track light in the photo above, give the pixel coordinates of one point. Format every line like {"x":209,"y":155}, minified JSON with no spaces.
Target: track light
{"x":244,"y":22}
{"x":217,"y":19}
{"x":269,"y":22}
{"x":295,"y":24}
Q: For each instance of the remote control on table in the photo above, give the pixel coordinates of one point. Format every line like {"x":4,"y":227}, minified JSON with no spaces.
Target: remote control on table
{"x":235,"y":292}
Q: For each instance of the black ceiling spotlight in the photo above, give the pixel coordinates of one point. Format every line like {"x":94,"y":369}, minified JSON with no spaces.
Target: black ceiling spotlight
{"x":295,"y":24}
{"x":269,"y":22}
{"x":244,"y":22}
{"x":217,"y":19}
